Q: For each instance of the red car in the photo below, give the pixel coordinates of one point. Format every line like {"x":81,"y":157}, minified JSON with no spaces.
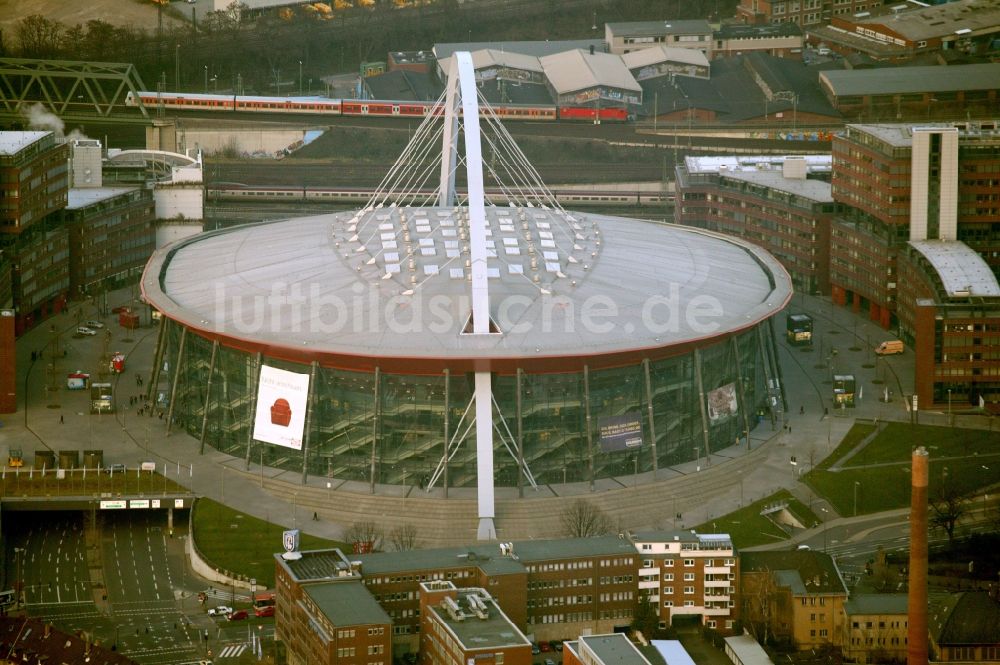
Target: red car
{"x":267,"y":611}
{"x":545,"y":646}
{"x":238,"y":615}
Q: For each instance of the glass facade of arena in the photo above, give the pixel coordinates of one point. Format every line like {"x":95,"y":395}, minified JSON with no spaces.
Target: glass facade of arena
{"x":405,"y":418}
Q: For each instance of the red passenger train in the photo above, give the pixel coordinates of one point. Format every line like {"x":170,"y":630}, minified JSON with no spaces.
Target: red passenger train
{"x":364,"y":107}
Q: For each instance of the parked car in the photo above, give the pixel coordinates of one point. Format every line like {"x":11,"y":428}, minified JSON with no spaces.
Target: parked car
{"x":84,"y":330}
{"x":220,"y":611}
{"x":535,"y":650}
{"x":238,"y":615}
{"x":545,"y":646}
{"x":93,"y":324}
{"x":267,"y":611}
{"x":556,"y":644}
{"x":549,"y":661}
{"x":119,"y":309}
{"x":120,"y":468}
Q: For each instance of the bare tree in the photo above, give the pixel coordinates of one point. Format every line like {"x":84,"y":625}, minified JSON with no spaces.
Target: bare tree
{"x":583,"y":519}
{"x":884,"y":577}
{"x":38,"y":36}
{"x":759,"y":591}
{"x":365,"y":536}
{"x":948,"y":508}
{"x":403,"y":537}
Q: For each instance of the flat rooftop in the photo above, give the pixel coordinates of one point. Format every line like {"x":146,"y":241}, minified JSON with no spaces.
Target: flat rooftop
{"x":347,"y":604}
{"x":13,"y":142}
{"x":487,"y":629}
{"x":81,"y":197}
{"x":614,"y":649}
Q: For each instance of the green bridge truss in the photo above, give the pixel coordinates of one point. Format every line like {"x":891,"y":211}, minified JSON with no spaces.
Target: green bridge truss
{"x":73,"y":90}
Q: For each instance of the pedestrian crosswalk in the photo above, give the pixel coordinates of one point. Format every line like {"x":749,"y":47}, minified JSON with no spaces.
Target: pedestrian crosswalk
{"x":232,"y":651}
{"x":225,"y":594}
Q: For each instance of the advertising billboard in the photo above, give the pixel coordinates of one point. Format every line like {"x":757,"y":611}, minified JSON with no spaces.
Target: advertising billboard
{"x":622,"y":432}
{"x":722,"y":402}
{"x":281,"y":407}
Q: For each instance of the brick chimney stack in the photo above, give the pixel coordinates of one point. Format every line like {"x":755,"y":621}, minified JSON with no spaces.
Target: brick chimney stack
{"x":916,"y":647}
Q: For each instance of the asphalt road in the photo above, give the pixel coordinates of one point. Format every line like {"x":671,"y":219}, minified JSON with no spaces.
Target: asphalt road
{"x":128,"y":587}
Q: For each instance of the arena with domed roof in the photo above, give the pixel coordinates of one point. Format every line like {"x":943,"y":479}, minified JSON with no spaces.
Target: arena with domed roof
{"x":612,"y":345}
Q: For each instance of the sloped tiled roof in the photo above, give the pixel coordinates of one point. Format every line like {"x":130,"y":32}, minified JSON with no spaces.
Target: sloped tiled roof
{"x":805,"y":571}
{"x":967,"y":617}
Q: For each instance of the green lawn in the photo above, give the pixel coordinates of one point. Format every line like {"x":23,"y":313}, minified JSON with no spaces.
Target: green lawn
{"x":854,"y":436}
{"x":747,"y":527}
{"x":242,"y":544}
{"x":966,"y":459}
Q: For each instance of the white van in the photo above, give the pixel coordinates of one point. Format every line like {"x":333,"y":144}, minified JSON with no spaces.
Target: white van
{"x":889,"y":348}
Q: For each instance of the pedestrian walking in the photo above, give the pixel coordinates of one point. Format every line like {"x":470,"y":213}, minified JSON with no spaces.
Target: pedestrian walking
{"x":62,"y":421}
{"x":802,"y":410}
{"x":315,"y":517}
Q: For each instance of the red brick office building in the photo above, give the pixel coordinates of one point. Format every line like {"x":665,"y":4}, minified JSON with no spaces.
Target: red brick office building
{"x":780,"y":203}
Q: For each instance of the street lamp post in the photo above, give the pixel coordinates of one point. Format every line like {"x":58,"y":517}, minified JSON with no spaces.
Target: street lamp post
{"x":18,"y":556}
{"x":177,"y":66}
{"x":949,"y":406}
{"x":300,"y":78}
{"x":856,"y":485}
{"x":206,"y":79}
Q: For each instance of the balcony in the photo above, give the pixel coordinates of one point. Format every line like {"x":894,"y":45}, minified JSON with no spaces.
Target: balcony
{"x":649,"y":584}
{"x":718,"y":583}
{"x":717,"y":570}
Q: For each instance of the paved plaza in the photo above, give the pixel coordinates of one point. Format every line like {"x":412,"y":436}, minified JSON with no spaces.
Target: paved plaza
{"x":51,"y":417}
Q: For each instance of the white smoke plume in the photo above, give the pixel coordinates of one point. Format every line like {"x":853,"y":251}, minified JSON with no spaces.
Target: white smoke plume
{"x":40,"y":118}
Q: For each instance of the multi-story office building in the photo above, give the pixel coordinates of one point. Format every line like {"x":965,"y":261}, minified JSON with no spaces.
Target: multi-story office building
{"x":34,"y":183}
{"x":33,"y":179}
{"x":41,"y":273}
{"x":112,"y":235}
{"x":802,"y":12}
{"x":944,"y":175}
{"x":916,"y":247}
{"x":798,"y":596}
{"x":780,"y":203}
{"x":552,"y":589}
{"x":324,"y":615}
{"x":685,"y":573}
{"x":949,"y":308}
{"x":874,"y":628}
{"x":459,"y":626}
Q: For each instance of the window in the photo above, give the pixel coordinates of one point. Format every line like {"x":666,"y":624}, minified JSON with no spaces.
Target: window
{"x":668,"y":577}
{"x":688,"y":563}
{"x":668,"y":563}
{"x":710,"y":623}
{"x":498,"y":658}
{"x":689,"y":590}
{"x":668,"y":589}
{"x":689,"y":577}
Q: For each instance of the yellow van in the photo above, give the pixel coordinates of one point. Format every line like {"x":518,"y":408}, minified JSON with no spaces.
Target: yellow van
{"x":889,"y":348}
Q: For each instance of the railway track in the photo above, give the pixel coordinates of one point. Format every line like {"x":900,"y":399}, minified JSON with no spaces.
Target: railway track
{"x":332,"y":174}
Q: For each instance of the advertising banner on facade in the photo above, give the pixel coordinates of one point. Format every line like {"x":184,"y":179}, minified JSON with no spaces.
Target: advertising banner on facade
{"x":622,"y":432}
{"x":722,"y":402}
{"x":281,"y":407}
